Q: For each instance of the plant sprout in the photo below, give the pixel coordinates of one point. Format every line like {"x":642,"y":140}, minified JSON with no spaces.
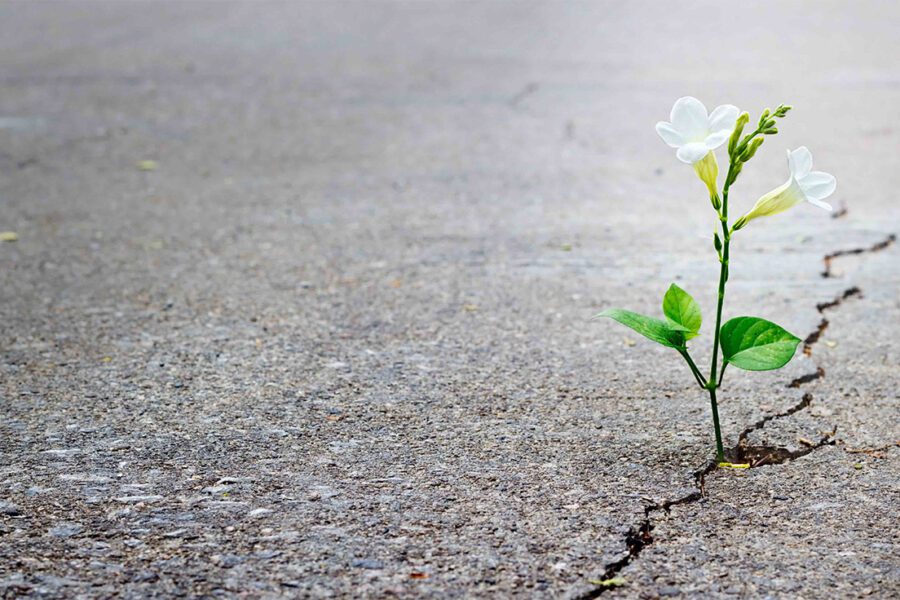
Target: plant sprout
{"x":748,"y":343}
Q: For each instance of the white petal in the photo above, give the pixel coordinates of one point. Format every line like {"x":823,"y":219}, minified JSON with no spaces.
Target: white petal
{"x":723,"y":118}
{"x":690,"y":119}
{"x":669,"y":134}
{"x":785,"y":196}
{"x":714,"y":140}
{"x":691,"y":153}
{"x":800,"y":162}
{"x":820,"y":204}
{"x":818,"y":185}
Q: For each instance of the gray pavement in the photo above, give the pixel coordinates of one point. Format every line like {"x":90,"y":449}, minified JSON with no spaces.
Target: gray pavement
{"x":335,"y":340}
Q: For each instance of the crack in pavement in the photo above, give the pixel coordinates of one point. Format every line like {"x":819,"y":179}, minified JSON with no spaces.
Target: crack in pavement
{"x":640,"y":536}
{"x":819,"y":373}
{"x":816,"y":333}
{"x":526,"y":91}
{"x":804,"y":402}
{"x":863,"y":250}
{"x":841,"y":212}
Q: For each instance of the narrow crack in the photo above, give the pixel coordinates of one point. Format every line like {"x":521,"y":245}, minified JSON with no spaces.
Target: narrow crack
{"x":641,"y":535}
{"x":526,"y":91}
{"x":848,"y":293}
{"x":816,"y":333}
{"x":814,"y":336}
{"x":804,"y":403}
{"x":874,"y":452}
{"x":828,"y":258}
{"x":803,"y":379}
{"x":758,"y":456}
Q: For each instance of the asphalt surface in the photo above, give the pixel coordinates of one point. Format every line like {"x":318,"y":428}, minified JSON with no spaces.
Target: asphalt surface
{"x":301,"y":302}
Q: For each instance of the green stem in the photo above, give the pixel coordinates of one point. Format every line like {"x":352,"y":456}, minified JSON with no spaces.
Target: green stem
{"x":723,"y":278}
{"x":697,"y":374}
{"x":720,"y":449}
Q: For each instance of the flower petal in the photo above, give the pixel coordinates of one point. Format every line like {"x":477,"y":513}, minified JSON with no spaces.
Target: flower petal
{"x":716,"y":139}
{"x":691,"y":153}
{"x":820,"y":204}
{"x":669,"y":134}
{"x":785,"y":196}
{"x":723,"y":118}
{"x":800,"y":162}
{"x":690,"y":119}
{"x":818,"y":185}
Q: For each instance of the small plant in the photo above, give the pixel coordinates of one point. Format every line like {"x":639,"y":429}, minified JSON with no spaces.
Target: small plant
{"x":749,"y":343}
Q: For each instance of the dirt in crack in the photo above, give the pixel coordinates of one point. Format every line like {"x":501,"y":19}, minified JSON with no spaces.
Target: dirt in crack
{"x":635,"y":540}
{"x":760,"y":456}
{"x":828,"y":258}
{"x":804,"y":403}
{"x":809,"y":377}
{"x":816,"y":333}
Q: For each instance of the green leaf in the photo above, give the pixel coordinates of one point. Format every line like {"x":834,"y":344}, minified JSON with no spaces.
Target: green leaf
{"x":682,"y":310}
{"x":755,"y":344}
{"x":655,"y":329}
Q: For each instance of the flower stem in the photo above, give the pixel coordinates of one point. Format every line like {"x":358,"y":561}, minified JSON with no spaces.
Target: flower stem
{"x":697,"y":374}
{"x":723,"y":278}
{"x":720,"y":449}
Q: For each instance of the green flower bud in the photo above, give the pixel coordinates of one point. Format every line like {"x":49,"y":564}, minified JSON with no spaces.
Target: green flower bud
{"x":771,"y":131}
{"x":735,"y":171}
{"x":763,"y":117}
{"x":742,"y":120}
{"x":717,"y":242}
{"x":740,"y":223}
{"x":782,"y":110}
{"x":751,"y":149}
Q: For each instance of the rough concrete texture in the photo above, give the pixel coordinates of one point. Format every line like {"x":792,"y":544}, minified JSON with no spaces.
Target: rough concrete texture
{"x":336,"y":341}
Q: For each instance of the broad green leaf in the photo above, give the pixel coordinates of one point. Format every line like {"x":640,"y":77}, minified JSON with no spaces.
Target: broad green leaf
{"x":655,"y":329}
{"x":755,"y":344}
{"x":682,"y":310}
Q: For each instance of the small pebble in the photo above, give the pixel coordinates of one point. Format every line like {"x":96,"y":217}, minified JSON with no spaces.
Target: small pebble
{"x":64,"y":530}
{"x":9,"y":509}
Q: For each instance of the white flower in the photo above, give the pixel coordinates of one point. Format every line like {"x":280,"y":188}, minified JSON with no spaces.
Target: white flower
{"x":804,"y":184}
{"x":694,"y":132}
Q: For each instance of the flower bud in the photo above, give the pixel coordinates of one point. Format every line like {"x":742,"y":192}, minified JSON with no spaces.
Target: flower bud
{"x":751,"y":149}
{"x":735,"y":171}
{"x":738,"y":130}
{"x":783,"y":110}
{"x":717,"y":242}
